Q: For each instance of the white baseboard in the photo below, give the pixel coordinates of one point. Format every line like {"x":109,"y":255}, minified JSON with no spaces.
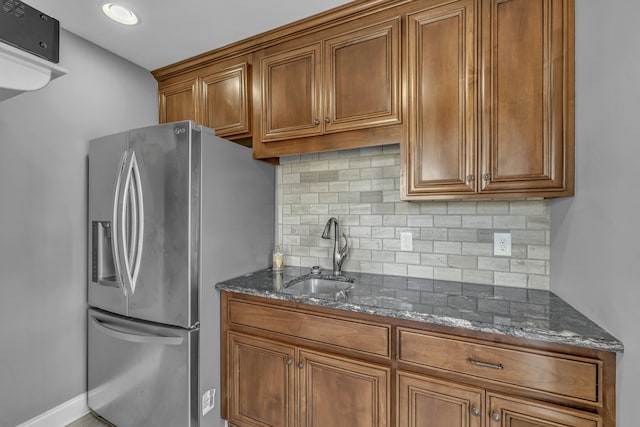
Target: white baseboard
{"x":62,"y":415}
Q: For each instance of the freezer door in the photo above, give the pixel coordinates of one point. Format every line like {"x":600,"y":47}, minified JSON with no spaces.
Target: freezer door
{"x":165,"y":290}
{"x":106,"y":156}
{"x":142,"y":375}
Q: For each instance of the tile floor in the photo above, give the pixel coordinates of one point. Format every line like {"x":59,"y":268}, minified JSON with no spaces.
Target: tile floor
{"x":90,"y":421}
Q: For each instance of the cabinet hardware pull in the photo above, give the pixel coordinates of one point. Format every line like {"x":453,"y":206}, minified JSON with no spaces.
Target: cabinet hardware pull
{"x":327,"y":120}
{"x":475,"y":411}
{"x":486,"y":177}
{"x":496,"y":417}
{"x":485,"y":364}
{"x":289,"y":361}
{"x":316,"y":122}
{"x":301,"y":365}
{"x":471,"y":178}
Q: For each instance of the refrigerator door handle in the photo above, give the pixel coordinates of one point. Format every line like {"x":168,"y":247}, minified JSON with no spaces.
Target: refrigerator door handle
{"x":137,"y":220}
{"x":133,"y":336}
{"x":130,"y":224}
{"x":115,"y":224}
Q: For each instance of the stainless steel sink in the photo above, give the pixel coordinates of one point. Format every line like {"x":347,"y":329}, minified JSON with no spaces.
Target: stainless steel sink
{"x":325,"y":287}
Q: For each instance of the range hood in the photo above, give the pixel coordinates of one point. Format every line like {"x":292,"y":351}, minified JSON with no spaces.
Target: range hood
{"x":28,"y":49}
{"x":21,"y":71}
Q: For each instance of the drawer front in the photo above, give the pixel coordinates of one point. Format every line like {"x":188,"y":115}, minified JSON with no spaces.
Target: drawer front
{"x":349,"y":334}
{"x":553,"y":373}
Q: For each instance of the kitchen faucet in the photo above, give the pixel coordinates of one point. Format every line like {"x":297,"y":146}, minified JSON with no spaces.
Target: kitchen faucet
{"x":339,"y":253}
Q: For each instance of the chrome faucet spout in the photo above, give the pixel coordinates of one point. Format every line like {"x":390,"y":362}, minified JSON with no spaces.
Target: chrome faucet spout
{"x":339,"y":253}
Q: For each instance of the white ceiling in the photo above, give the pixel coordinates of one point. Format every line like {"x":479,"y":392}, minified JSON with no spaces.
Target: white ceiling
{"x":170,"y":31}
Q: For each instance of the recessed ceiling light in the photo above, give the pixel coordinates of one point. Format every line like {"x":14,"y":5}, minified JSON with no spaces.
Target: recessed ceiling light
{"x":120,"y":14}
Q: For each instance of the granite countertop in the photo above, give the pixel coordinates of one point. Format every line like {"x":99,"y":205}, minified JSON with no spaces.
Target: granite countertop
{"x":524,"y":313}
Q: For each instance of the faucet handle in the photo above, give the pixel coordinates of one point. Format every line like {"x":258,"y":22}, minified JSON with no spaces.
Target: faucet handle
{"x":345,"y":248}
{"x":343,"y":251}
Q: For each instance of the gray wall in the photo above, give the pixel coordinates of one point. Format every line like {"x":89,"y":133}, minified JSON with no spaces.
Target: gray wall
{"x":43,"y":174}
{"x":594,"y":236}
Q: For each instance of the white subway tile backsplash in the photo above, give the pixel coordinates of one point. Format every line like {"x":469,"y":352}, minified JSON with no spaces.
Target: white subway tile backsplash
{"x":435,"y":260}
{"x":394,"y":220}
{"x":422,"y":271}
{"x":408,"y":258}
{"x":451,"y":240}
{"x":441,"y":273}
{"x":510,"y":222}
{"x":468,"y":208}
{"x":453,"y":248}
{"x":394,"y":269}
{"x":447,"y":221}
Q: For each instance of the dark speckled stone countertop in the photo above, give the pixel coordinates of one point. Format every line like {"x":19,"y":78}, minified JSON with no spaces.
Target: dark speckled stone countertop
{"x":524,"y":313}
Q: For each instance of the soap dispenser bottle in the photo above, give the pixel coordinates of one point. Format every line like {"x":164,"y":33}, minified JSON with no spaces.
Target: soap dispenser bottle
{"x":278,"y":259}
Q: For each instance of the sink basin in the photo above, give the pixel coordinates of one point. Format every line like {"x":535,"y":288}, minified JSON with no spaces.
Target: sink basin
{"x":321,"y":287}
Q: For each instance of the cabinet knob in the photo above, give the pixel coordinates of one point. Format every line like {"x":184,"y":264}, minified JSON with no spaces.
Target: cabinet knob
{"x":475,"y":411}
{"x":486,"y":177}
{"x":471,"y":178}
{"x":496,"y":417}
{"x":327,"y":120}
{"x":301,"y":365}
{"x":289,"y":361}
{"x":316,"y":122}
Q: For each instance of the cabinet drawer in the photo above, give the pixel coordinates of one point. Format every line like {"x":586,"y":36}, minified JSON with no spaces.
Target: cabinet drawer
{"x":350,"y":334}
{"x":563,"y":375}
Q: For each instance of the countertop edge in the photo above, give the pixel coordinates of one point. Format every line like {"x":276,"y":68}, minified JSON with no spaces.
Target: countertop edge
{"x":528,"y":333}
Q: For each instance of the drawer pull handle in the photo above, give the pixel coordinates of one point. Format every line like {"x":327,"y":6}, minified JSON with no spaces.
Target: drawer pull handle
{"x":486,"y":365}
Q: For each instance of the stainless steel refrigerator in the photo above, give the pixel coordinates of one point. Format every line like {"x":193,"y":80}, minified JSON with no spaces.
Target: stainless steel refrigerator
{"x":173,"y":210}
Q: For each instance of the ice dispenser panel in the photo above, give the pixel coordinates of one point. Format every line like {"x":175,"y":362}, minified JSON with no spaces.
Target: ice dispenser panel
{"x":103,"y":270}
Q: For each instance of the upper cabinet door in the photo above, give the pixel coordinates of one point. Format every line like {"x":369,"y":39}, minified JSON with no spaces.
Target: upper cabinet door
{"x":291,"y":105}
{"x":361,"y":74}
{"x":179,"y":101}
{"x":441,"y":152}
{"x":527,"y":96}
{"x":225,"y":101}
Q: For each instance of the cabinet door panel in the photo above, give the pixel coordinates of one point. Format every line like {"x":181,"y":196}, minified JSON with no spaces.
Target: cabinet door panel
{"x":179,"y":102}
{"x":226,"y":101}
{"x":361,"y":77}
{"x":336,"y":391}
{"x":441,"y":67}
{"x":513,"y":412}
{"x":261,"y":382}
{"x":291,"y":98}
{"x":524,"y":94}
{"x":427,"y":402}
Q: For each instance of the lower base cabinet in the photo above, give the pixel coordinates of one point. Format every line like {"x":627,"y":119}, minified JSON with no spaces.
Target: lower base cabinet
{"x":429,"y":402}
{"x":261,"y":382}
{"x":425,"y":401}
{"x":506,"y":411}
{"x":273,"y":384}
{"x":295,"y":365}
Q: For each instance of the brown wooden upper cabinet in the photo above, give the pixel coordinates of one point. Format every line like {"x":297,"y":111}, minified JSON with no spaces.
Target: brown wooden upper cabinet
{"x":225,"y":101}
{"x":344,"y":82}
{"x":216,"y":96}
{"x":497,"y":122}
{"x":178,"y":101}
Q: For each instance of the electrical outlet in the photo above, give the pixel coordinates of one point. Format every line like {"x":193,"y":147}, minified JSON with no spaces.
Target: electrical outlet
{"x":208,"y":401}
{"x":406,"y":241}
{"x":502,"y":244}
